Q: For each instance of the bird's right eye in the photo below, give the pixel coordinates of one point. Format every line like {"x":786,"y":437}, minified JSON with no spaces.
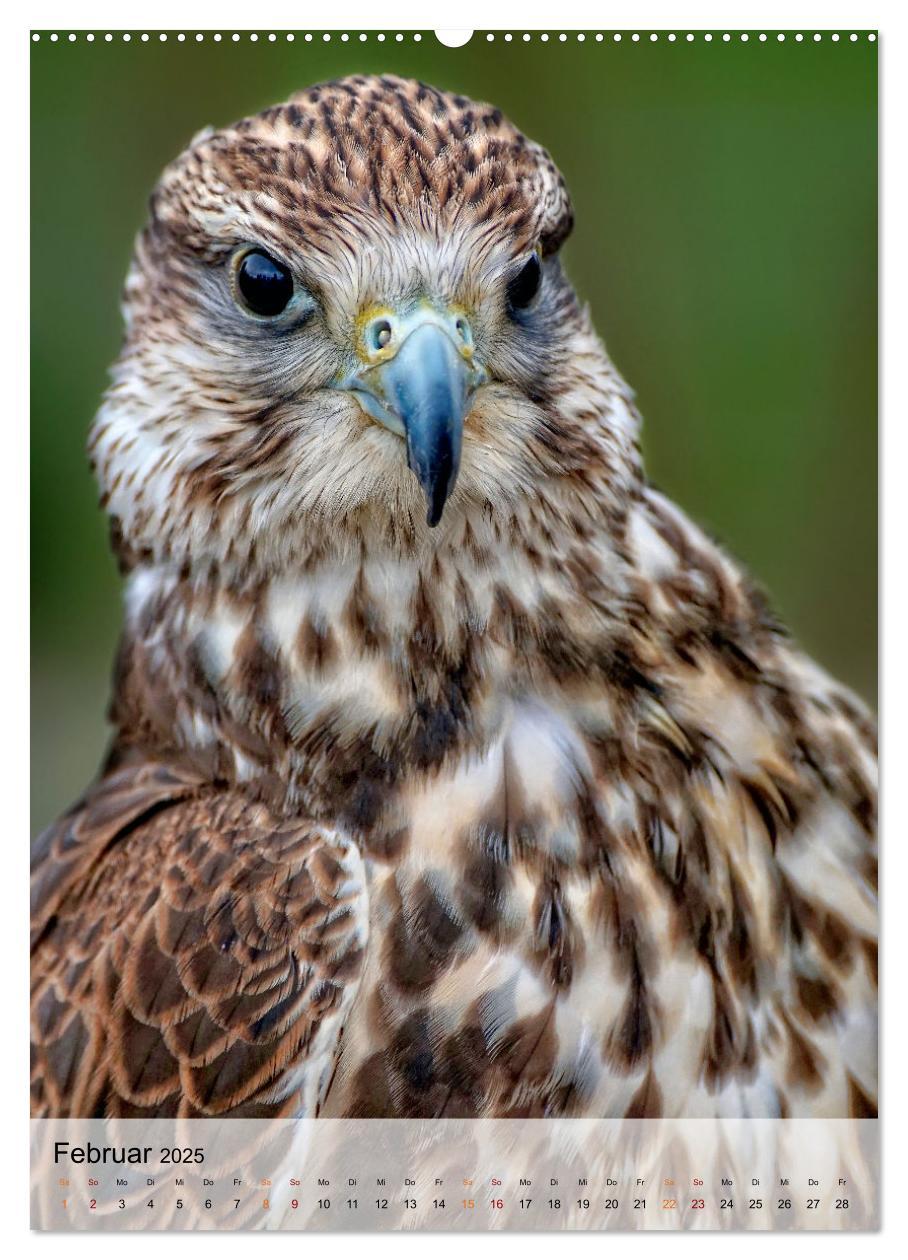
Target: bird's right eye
{"x":265,"y":286}
{"x":523,"y":287}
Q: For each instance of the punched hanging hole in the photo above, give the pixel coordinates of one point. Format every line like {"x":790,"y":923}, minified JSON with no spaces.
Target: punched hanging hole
{"x":453,"y":39}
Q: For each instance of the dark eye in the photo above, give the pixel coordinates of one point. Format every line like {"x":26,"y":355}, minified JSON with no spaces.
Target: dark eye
{"x":523,"y":287}
{"x":265,"y":285}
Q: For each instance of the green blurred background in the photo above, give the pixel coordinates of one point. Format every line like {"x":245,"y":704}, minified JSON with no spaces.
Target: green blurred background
{"x":726,"y":238}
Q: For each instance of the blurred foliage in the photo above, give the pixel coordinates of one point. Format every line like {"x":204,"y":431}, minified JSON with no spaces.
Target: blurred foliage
{"x":726,"y":238}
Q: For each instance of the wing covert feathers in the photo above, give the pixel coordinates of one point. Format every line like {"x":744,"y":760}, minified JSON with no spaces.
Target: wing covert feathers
{"x":194,"y":956}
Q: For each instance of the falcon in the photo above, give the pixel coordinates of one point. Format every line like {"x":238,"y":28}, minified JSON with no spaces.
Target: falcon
{"x":455,"y":772}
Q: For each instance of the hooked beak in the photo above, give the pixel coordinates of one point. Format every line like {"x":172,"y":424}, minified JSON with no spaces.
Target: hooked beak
{"x":417,"y":381}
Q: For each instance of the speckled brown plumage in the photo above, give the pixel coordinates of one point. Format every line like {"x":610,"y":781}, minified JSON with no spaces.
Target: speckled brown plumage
{"x":535,"y":813}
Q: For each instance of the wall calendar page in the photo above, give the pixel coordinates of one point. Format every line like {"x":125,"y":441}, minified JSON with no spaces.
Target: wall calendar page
{"x":454,"y":565}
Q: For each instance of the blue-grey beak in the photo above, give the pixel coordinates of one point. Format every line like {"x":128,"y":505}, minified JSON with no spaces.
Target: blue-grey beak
{"x":418,"y":384}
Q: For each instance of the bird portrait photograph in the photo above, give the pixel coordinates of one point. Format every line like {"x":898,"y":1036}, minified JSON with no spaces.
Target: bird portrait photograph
{"x":454,"y":577}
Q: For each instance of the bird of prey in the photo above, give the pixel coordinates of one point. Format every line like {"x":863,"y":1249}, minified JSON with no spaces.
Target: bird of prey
{"x":455,"y":771}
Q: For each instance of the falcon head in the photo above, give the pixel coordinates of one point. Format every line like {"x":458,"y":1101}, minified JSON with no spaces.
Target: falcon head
{"x":349,"y":312}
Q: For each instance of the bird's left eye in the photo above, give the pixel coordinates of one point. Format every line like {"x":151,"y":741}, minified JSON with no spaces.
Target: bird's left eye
{"x":265,"y":285}
{"x":524,"y":286}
